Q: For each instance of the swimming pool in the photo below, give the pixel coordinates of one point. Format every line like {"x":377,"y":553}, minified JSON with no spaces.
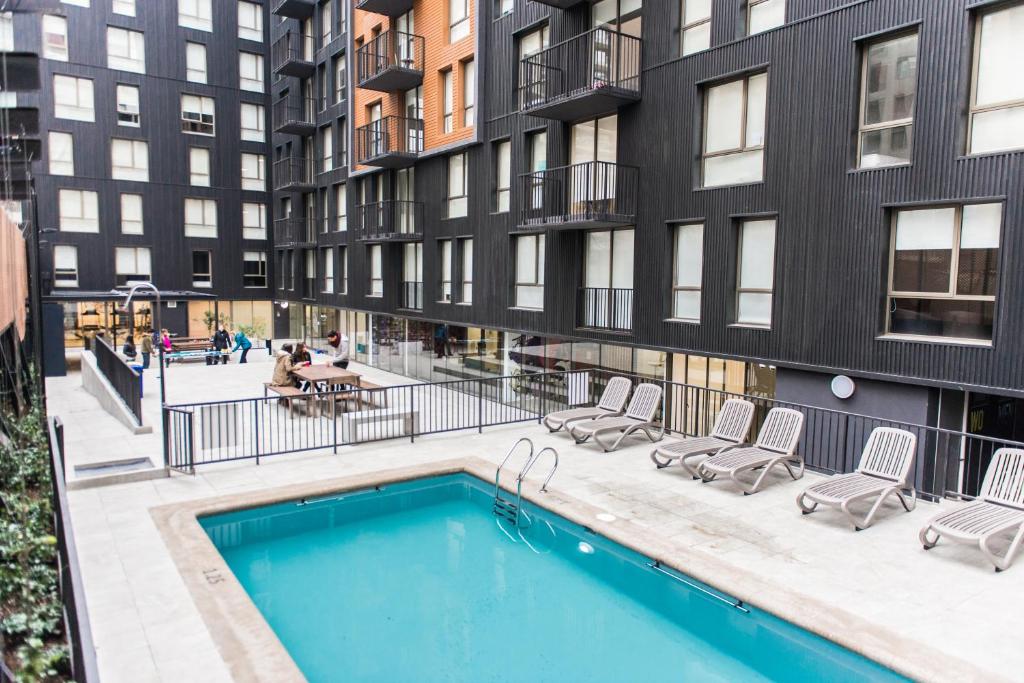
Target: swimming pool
{"x":417,"y":581}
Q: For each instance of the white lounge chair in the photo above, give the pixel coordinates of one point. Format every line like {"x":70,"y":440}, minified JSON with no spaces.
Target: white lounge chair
{"x":612,"y":403}
{"x":731,"y":427}
{"x":883,"y":471}
{"x":775,"y":445}
{"x":639,"y":417}
{"x":998,"y":511}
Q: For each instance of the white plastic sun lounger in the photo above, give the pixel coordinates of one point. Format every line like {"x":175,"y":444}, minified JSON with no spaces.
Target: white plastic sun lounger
{"x":883,"y":471}
{"x":775,"y":445}
{"x":998,"y":511}
{"x":731,"y":428}
{"x":612,"y":403}
{"x":639,"y":417}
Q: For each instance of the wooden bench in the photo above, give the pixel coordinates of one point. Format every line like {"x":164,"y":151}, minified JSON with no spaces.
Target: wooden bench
{"x":365,"y":394}
{"x":289,"y":396}
{"x":383,"y":419}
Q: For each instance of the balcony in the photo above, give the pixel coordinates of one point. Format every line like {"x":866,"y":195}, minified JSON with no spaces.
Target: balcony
{"x":390,"y":142}
{"x":412,"y":296}
{"x":392,"y":220}
{"x":294,"y":232}
{"x":559,"y":4}
{"x":593,"y":194}
{"x":604,"y":308}
{"x":295,"y":115}
{"x":292,"y":55}
{"x":389,"y":8}
{"x":390,"y":62}
{"x":294,"y":173}
{"x":296,"y":9}
{"x":592,"y":74}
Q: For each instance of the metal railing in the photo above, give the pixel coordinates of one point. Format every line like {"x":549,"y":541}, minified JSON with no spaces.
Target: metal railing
{"x":294,"y":231}
{"x":389,"y":50}
{"x":291,"y":110}
{"x":292,"y":47}
{"x":387,"y":136}
{"x":126,"y":382}
{"x":391,"y":219}
{"x":292,"y":171}
{"x":598,"y":60}
{"x":605,"y":308}
{"x":412,"y":295}
{"x":590,"y":192}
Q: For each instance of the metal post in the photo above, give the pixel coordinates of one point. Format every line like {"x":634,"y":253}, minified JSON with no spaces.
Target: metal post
{"x":480,"y":407}
{"x":412,"y":413}
{"x":35,"y":298}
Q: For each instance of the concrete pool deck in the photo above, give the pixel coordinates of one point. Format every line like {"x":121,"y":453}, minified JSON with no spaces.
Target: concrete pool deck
{"x":148,"y":626}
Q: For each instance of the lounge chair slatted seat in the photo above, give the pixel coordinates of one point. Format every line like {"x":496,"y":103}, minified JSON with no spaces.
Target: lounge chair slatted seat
{"x":998,"y":511}
{"x":731,"y":427}
{"x":775,"y":445}
{"x":639,"y":417}
{"x":883,"y":471}
{"x":612,"y":403}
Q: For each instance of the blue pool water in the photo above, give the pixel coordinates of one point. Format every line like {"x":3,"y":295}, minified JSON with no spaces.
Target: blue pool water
{"x":417,"y":582}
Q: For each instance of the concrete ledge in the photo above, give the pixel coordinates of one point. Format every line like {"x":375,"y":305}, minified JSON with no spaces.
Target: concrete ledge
{"x":97,"y":384}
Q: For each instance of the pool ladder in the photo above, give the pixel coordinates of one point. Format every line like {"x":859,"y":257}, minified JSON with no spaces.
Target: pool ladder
{"x":507,"y":508}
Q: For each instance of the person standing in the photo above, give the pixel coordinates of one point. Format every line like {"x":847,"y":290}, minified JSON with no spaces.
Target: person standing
{"x":129,"y":347}
{"x":221,"y":344}
{"x":242,"y":342}
{"x":146,"y":348}
{"x":337,"y":349}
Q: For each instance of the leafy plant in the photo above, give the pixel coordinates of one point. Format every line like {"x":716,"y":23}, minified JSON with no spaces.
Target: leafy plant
{"x":254,"y":331}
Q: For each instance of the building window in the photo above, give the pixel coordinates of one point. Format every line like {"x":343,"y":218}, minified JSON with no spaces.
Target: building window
{"x":253,"y":122}
{"x":254,"y":269}
{"x":128,"y":105}
{"x":125,"y":7}
{"x":537,"y":146}
{"x":342,"y":139}
{"x":458,"y":20}
{"x":77,"y":3}
{"x":250,"y":71}
{"x":131,"y":214}
{"x":412,"y":275}
{"x":325,"y":86}
{"x":132,"y":265}
{"x":734,"y":114}
{"x":7,"y":32}
{"x":340,"y":208}
{"x":997,"y":88}
{"x":342,"y":270}
{"x":79,"y":211}
{"x":755,"y":276}
{"x":62,"y":153}
{"x":73,"y":98}
{"x":695,"y":32}
{"x":55,"y":37}
{"x":943,"y":271}
{"x":687,"y":271}
{"x":250,"y":21}
{"x":254,"y":172}
{"x":446,"y":270}
{"x":126,"y":50}
{"x":325,"y":23}
{"x":458,"y":186}
{"x":888,"y":84}
{"x":469,"y":93}
{"x":505,"y":7}
{"x":199,"y":166}
{"x":200,"y":217}
{"x":195,"y":14}
{"x":65,"y":266}
{"x":197,"y":115}
{"x":765,"y":14}
{"x":254,"y":221}
{"x":129,"y":160}
{"x":530,"y":76}
{"x":327,"y":259}
{"x":466,"y":296}
{"x":195,"y":62}
{"x":503,"y":175}
{"x":340,"y":78}
{"x":202,"y":268}
{"x":376,"y":271}
{"x":529,"y":250}
{"x":607,"y":297}
{"x":326,"y":149}
{"x":448,"y":92}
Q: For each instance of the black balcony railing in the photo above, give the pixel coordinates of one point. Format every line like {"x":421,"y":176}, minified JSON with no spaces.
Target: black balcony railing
{"x":292,"y":54}
{"x":392,"y":142}
{"x":590,"y":74}
{"x":293,"y":173}
{"x":294,"y":231}
{"x":605,"y":308}
{"x":412,"y":295}
{"x":391,"y":61}
{"x":122,"y":377}
{"x":295,"y":115}
{"x":392,"y":219}
{"x":592,"y":194}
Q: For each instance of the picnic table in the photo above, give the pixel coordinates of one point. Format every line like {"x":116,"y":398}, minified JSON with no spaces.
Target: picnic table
{"x":326,"y":375}
{"x":195,"y":354}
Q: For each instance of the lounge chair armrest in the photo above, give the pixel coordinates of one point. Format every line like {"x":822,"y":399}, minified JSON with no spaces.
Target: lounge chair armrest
{"x":734,"y":446}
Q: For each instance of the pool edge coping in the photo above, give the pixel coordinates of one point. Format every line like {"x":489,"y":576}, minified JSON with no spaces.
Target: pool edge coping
{"x":253,"y":652}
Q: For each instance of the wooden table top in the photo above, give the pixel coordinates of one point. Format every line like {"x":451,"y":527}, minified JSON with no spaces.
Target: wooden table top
{"x":326,"y":373}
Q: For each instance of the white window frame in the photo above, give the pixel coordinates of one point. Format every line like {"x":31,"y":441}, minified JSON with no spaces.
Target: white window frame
{"x":253,"y":122}
{"x":458,"y":185}
{"x":448,"y":100}
{"x":250,"y":21}
{"x":77,"y":3}
{"x":131,"y":205}
{"x":865,"y":128}
{"x":61,"y":149}
{"x":694,"y":31}
{"x":535,"y":282}
{"x":257,"y":230}
{"x":195,"y":62}
{"x":343,"y":270}
{"x":327,"y":264}
{"x":745,"y":147}
{"x":341,"y":207}
{"x":199,"y":166}
{"x":374,"y":257}
{"x":469,"y":93}
{"x":742,"y":288}
{"x":207,"y":209}
{"x":131,"y":54}
{"x":445,"y":250}
{"x":81,"y":107}
{"x":503,"y":176}
{"x":326,"y":24}
{"x":254,"y":163}
{"x":340,"y":78}
{"x":142,"y":259}
{"x":128,"y":105}
{"x":7,"y":32}
{"x":326,"y":148}
{"x":84,"y":216}
{"x":259,"y":257}
{"x":458,"y":20}
{"x":65,"y":265}
{"x":197,"y":14}
{"x":695,"y":273}
{"x":757,"y":6}
{"x":204,"y":280}
{"x":1014,"y":104}
{"x":55,"y":37}
{"x":466,"y":270}
{"x":250,"y":71}
{"x":123,"y":7}
{"x":137,"y":153}
{"x":202,"y":121}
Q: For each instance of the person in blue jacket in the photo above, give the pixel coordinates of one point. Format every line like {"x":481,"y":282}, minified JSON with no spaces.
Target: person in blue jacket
{"x":242,"y":342}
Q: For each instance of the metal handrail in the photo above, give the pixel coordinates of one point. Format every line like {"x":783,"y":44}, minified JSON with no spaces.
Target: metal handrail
{"x":497,"y":474}
{"x":551,"y":472}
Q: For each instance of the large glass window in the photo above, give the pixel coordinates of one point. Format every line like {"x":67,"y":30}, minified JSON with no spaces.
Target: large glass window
{"x":376,"y":271}
{"x":888,"y":86}
{"x":531,"y":76}
{"x":197,"y":115}
{"x":765,"y":14}
{"x":250,"y":21}
{"x":196,"y":14}
{"x":62,"y":153}
{"x":469,"y":93}
{"x":412,"y":275}
{"x":606,"y":299}
{"x":997,"y":89}
{"x":529,"y":287}
{"x":55,"y":37}
{"x":734,"y":123}
{"x":254,"y":221}
{"x":199,"y":166}
{"x":755,"y":276}
{"x":127,"y":105}
{"x":695,"y":32}
{"x":445,"y":247}
{"x":340,"y":207}
{"x":250,"y":71}
{"x":202,"y":268}
{"x":200,"y":217}
{"x":326,"y":149}
{"x":129,"y":160}
{"x":327,"y":266}
{"x":458,"y":182}
{"x":342,"y":270}
{"x":195,"y":62}
{"x":254,"y":172}
{"x":73,"y":98}
{"x":65,"y":266}
{"x":458,"y":20}
{"x":448,"y":93}
{"x":687,"y":271}
{"x":131,"y":214}
{"x":132,"y":265}
{"x":466,"y":248}
{"x":944,"y":267}
{"x":126,"y":50}
{"x":79,"y":210}
{"x":254,"y":269}
{"x":503,"y":175}
{"x":253,"y":124}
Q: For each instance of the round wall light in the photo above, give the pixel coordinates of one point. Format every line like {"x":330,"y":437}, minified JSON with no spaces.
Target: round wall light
{"x":843,"y":387}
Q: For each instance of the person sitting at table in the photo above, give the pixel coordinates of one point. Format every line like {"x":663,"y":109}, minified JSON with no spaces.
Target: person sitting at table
{"x":283,"y":367}
{"x":129,"y":348}
{"x":302,"y":357}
